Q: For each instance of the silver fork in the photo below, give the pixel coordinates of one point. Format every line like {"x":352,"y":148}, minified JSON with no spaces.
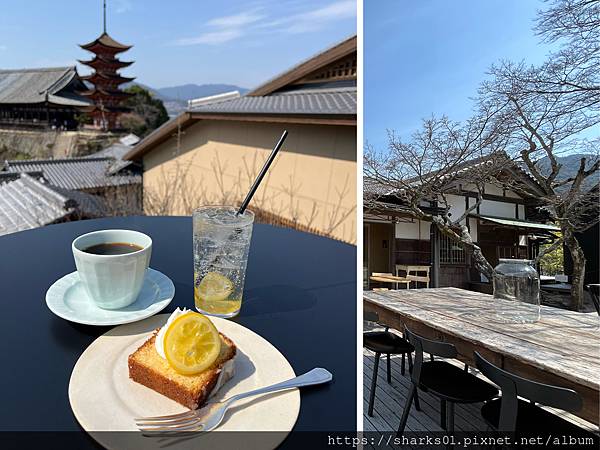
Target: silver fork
{"x":210,"y":416}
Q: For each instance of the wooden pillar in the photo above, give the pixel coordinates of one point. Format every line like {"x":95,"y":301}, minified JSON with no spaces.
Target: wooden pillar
{"x":434,"y":239}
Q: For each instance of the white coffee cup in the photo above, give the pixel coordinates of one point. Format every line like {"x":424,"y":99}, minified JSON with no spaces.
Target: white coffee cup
{"x":112,"y":281}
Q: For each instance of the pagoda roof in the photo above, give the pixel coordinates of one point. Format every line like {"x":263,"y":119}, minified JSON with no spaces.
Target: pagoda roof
{"x":104,"y":40}
{"x":100,"y":60}
{"x":98,"y":91}
{"x":107,"y":76}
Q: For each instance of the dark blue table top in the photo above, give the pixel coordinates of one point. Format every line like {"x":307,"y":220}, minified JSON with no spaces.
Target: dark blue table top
{"x":300,"y":295}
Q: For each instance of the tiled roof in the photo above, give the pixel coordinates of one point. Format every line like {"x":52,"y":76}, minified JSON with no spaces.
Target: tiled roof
{"x":375,"y":188}
{"x":88,"y":205}
{"x":332,"y":100}
{"x":32,"y":86}
{"x":117,"y":151}
{"x":130,"y":139}
{"x":75,"y":173}
{"x":26,"y":203}
{"x":498,"y":159}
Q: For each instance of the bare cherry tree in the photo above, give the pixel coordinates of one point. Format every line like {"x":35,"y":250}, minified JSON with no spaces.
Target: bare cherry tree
{"x":573,"y":69}
{"x":541,"y":127}
{"x":545,"y":112}
{"x":440,"y":159}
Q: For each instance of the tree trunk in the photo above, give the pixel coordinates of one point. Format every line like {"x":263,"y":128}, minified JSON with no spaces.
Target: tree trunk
{"x":578,"y":275}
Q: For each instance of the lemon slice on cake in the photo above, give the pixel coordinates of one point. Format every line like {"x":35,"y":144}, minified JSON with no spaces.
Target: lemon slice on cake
{"x":192,"y":343}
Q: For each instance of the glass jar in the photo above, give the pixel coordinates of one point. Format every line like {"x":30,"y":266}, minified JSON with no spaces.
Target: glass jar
{"x":516,"y":291}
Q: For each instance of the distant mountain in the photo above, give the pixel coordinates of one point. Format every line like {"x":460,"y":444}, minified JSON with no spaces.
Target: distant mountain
{"x":175,"y":97}
{"x":153,"y":91}
{"x":570,"y":166}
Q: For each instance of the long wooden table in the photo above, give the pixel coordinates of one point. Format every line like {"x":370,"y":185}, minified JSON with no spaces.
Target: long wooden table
{"x":563,"y":348}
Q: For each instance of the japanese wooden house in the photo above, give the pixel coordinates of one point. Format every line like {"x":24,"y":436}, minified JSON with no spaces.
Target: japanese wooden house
{"x":41,"y":98}
{"x":505,"y":225}
{"x":215,"y":149}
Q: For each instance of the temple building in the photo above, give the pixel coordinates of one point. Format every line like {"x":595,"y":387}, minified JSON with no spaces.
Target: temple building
{"x":57,"y":97}
{"x":105,"y":80}
{"x":41,"y":98}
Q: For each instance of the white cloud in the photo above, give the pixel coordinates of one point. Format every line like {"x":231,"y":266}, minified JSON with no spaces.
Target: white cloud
{"x":224,"y":29}
{"x":3,"y":47}
{"x":314,"y":20}
{"x":228,"y":28}
{"x":340,"y":10}
{"x":211,"y":38}
{"x":236,"y":20}
{"x":123,"y":6}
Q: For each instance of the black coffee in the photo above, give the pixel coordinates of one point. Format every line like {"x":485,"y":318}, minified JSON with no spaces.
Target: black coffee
{"x":112,"y":248}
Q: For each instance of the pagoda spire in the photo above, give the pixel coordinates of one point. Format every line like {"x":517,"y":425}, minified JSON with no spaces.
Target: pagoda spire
{"x":104,"y":16}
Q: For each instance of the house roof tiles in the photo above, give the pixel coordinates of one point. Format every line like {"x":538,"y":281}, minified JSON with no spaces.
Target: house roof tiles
{"x":333,"y":100}
{"x":75,"y":173}
{"x":27,"y":202}
{"x":30,"y":86}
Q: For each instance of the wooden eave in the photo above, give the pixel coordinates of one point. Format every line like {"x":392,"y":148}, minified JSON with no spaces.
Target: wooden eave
{"x":303,"y":69}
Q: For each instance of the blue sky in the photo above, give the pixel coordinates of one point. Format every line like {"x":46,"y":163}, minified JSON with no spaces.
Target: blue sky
{"x":428,"y":57}
{"x":178,"y":41}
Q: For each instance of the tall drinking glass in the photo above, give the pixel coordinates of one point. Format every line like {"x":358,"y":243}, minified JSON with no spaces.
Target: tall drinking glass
{"x":221,"y":244}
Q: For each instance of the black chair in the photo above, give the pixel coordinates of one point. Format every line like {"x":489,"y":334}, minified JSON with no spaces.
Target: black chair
{"x":449,"y":383}
{"x":387,"y":343}
{"x":594,"y":290}
{"x":512,"y":414}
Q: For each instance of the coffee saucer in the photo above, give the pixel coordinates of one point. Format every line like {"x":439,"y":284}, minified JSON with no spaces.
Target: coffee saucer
{"x":67,"y":299}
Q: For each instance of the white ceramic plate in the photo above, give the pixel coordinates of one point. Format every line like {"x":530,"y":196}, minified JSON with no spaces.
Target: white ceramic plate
{"x":104,"y":398}
{"x":67,"y":299}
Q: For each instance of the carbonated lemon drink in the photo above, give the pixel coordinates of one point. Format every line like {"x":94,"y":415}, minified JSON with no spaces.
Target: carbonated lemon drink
{"x":221,"y":244}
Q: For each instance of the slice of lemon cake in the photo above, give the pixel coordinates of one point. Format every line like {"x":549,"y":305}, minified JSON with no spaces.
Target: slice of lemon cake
{"x":187,"y":359}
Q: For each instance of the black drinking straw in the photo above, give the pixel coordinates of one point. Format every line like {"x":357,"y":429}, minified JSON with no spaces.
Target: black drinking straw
{"x":262,"y":173}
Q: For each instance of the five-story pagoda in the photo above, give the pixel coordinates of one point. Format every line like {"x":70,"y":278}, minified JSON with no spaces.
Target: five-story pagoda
{"x":105,"y":80}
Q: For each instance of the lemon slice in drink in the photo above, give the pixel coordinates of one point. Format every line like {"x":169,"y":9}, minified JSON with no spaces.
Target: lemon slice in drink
{"x":214,"y":287}
{"x":192,"y":343}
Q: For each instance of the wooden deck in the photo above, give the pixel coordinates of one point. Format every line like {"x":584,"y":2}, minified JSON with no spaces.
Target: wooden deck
{"x":391,"y":398}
